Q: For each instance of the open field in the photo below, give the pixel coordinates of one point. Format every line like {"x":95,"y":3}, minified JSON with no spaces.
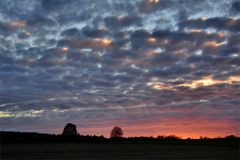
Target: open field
{"x":118,"y":151}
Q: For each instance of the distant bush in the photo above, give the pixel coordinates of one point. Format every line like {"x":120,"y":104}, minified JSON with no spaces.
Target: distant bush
{"x":203,"y":137}
{"x":170,"y":137}
{"x":231,"y":137}
{"x":160,"y":137}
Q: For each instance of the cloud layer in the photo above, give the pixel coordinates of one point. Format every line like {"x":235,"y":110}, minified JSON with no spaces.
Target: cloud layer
{"x":173,"y":66}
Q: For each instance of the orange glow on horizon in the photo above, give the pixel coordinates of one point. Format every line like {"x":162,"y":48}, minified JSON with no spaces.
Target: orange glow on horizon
{"x":194,"y":127}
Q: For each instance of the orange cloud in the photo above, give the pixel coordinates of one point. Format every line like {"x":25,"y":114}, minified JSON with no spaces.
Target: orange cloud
{"x":220,"y":34}
{"x":153,"y":1}
{"x":213,"y":44}
{"x":208,"y":81}
{"x":104,"y":42}
{"x":201,"y":18}
{"x":89,"y":43}
{"x":196,"y":30}
{"x":64,"y":49}
{"x":203,"y":82}
{"x":150,"y":53}
{"x":17,"y":24}
{"x":152,"y":40}
{"x":160,"y":86}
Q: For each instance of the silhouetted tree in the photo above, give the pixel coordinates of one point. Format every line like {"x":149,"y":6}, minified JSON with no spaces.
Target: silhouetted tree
{"x":116,"y":132}
{"x":70,"y":129}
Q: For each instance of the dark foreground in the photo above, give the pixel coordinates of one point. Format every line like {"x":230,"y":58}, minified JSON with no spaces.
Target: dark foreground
{"x":118,"y":151}
{"x":28,"y":146}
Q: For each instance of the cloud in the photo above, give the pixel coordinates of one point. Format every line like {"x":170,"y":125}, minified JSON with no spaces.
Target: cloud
{"x":116,"y":22}
{"x":71,"y":32}
{"x":92,"y":32}
{"x":102,"y":63}
{"x":54,"y":4}
{"x":219,"y":23}
{"x":147,"y":6}
{"x":235,"y":8}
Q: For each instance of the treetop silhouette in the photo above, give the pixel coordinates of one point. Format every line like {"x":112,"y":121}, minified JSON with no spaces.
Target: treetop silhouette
{"x":116,"y":132}
{"x":70,"y":130}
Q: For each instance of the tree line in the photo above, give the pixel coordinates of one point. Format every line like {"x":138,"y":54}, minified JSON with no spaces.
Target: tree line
{"x":71,"y":135}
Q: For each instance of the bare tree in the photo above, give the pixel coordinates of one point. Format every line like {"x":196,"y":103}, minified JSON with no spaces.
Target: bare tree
{"x":70,"y":129}
{"x":116,"y":132}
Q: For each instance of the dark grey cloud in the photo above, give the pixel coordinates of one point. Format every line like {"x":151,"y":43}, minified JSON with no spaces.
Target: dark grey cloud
{"x":173,"y":70}
{"x":71,"y":32}
{"x":164,"y":60}
{"x":116,"y":22}
{"x":235,"y":7}
{"x":54,"y":4}
{"x":94,"y":32}
{"x":40,"y":20}
{"x":153,"y":6}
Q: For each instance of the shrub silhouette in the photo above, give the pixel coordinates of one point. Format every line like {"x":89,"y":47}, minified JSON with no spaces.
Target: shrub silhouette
{"x":116,"y":132}
{"x":173,"y":137}
{"x":170,"y":137}
{"x":70,"y":129}
{"x":231,"y":137}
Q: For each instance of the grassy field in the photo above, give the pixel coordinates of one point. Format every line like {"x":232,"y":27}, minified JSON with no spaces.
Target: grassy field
{"x":118,"y":151}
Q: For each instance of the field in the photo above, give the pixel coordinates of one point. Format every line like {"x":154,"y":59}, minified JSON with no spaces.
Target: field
{"x":118,"y":151}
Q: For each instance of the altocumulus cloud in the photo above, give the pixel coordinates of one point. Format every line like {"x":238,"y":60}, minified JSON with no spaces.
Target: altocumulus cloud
{"x":135,"y":63}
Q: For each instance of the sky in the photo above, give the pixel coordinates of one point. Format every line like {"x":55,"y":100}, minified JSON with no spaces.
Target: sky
{"x":151,"y":67}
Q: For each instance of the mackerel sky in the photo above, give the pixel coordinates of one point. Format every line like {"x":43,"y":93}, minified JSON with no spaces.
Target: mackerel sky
{"x":152,"y":67}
